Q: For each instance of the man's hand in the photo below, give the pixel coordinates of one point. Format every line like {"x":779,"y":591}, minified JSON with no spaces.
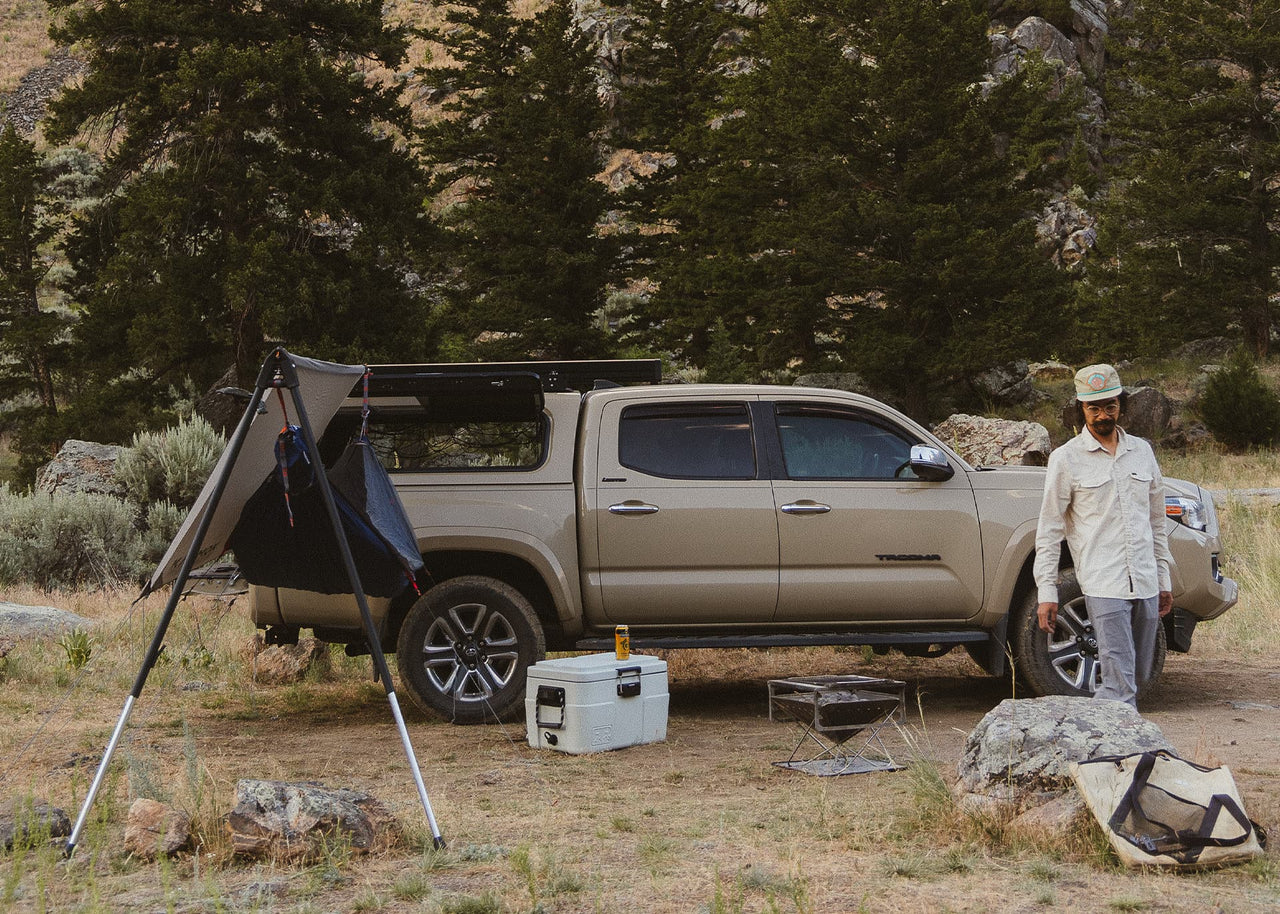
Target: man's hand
{"x":1047,"y":613}
{"x":1166,"y":603}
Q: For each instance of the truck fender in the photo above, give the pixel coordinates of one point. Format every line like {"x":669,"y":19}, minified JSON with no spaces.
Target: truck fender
{"x":1012,"y":574}
{"x":560,"y":582}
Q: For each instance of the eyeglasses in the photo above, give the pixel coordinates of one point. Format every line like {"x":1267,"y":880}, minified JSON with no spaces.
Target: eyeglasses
{"x":1097,"y":409}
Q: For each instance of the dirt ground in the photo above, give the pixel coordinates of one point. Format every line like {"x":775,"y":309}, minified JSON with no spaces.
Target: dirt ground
{"x":702,"y":821}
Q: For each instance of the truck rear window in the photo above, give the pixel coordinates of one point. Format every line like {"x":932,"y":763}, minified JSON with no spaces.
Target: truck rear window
{"x":406,"y":442}
{"x":703,"y":441}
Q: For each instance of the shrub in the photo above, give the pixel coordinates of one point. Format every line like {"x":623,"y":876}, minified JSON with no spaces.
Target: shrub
{"x":64,"y":541}
{"x":1239,"y":407}
{"x":171,"y":465}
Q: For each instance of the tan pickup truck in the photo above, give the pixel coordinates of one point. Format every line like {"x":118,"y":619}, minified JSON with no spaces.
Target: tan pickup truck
{"x":554,"y":501}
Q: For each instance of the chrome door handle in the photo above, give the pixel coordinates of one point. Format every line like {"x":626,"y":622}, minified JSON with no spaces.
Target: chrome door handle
{"x":805,"y":507}
{"x":633,"y":507}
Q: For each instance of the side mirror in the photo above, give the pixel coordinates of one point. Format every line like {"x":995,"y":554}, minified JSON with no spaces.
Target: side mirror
{"x":930,"y":464}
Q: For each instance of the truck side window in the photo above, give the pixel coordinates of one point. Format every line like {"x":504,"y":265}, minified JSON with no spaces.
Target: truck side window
{"x":702,"y":441}
{"x":406,"y":441}
{"x":822,"y":443}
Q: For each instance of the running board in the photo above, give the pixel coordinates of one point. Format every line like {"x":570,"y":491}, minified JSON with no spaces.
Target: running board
{"x":639,"y":640}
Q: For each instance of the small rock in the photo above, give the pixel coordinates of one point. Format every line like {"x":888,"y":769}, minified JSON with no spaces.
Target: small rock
{"x":154,"y":829}
{"x":1056,"y":818}
{"x":26,"y":820}
{"x":281,"y":664}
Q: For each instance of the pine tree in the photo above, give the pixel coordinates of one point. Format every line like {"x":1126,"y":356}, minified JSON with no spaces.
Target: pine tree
{"x":953,"y":281}
{"x":868,"y":203}
{"x":29,"y":334}
{"x":519,"y":151}
{"x":255,"y":192}
{"x":1190,"y":227}
{"x":670,"y":86}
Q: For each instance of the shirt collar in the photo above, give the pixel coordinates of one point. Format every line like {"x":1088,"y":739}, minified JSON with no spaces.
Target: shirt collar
{"x":1093,"y":444}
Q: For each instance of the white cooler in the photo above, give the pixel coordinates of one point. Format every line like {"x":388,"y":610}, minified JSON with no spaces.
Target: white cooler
{"x":596,"y":702}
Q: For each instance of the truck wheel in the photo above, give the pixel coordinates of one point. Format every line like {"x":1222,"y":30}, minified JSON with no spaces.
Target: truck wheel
{"x":1066,"y":663}
{"x":465,"y":647}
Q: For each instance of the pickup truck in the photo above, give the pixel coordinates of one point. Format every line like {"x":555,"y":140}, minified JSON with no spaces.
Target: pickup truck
{"x":555,"y":501}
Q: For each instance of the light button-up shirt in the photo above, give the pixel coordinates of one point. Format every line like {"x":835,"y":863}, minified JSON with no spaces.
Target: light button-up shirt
{"x":1110,"y":509}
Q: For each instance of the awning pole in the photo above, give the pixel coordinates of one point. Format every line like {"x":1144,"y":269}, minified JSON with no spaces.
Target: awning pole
{"x":175,"y":594}
{"x":286,"y":376}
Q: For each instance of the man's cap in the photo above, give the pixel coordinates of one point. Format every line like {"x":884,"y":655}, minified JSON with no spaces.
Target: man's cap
{"x":1097,"y":382}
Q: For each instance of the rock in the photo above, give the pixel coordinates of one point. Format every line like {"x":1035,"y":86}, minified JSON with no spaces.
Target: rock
{"x":1009,"y":383}
{"x":281,"y":664}
{"x":1021,"y":751}
{"x":1051,"y":371}
{"x":833,"y":380}
{"x":1036,"y":34}
{"x":1211,"y":349}
{"x":18,"y":621}
{"x":82,"y":466}
{"x":31,"y":820}
{"x":154,"y":830}
{"x":291,"y":820}
{"x":1057,"y":818}
{"x":1147,"y":413}
{"x":627,"y":166}
{"x":994,"y":442}
{"x":24,"y":108}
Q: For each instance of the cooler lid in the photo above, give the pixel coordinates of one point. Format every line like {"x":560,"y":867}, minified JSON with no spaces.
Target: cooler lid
{"x":595,"y":667}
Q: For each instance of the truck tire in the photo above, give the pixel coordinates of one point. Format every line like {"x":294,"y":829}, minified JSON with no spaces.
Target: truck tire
{"x":465,"y":647}
{"x":1067,"y":662}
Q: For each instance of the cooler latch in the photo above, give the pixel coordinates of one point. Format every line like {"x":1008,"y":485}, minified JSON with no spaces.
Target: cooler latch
{"x":629,"y":682}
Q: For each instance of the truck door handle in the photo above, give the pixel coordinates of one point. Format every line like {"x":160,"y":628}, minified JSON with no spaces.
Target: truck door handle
{"x":633,"y":507}
{"x":805,"y":507}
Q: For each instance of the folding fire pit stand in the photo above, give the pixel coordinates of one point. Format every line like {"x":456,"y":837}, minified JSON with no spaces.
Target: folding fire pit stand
{"x":832,"y":711}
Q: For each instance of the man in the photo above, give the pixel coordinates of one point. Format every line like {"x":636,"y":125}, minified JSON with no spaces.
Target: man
{"x":1105,"y":495}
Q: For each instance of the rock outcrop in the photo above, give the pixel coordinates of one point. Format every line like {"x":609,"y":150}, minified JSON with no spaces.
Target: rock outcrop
{"x":995,"y":442}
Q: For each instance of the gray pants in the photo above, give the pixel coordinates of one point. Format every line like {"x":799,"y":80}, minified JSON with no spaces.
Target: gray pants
{"x":1126,"y":633}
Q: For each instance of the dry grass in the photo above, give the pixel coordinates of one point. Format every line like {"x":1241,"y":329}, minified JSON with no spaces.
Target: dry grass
{"x":700,"y":822}
{"x":24,"y":39}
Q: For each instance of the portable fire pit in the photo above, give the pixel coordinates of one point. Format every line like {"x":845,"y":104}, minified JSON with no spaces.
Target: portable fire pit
{"x":841,"y":718}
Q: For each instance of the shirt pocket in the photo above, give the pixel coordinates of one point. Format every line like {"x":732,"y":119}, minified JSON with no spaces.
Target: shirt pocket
{"x":1092,"y":494}
{"x":1140,"y":484}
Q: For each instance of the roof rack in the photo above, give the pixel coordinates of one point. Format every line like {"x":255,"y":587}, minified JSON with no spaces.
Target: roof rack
{"x":580,"y":375}
{"x":498,"y":391}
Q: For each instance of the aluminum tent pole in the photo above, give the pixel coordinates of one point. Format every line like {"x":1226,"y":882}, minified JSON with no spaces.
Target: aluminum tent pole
{"x":175,"y":594}
{"x":286,"y":376}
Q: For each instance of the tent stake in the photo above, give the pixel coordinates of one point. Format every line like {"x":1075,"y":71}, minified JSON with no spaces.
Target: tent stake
{"x":287,"y":377}
{"x":157,"y":641}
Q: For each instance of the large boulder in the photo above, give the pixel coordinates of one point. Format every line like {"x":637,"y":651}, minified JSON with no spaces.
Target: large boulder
{"x":993,"y":442}
{"x":1009,"y":383}
{"x":1021,"y":752}
{"x":19,"y":622}
{"x":82,"y":466}
{"x":293,"y":820}
{"x":1147,"y":413}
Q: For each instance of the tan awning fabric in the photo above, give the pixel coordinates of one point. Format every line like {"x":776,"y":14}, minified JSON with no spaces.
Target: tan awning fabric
{"x":322,"y":386}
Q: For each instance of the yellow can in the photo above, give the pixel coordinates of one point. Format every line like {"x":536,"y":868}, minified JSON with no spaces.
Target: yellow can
{"x":622,"y":641}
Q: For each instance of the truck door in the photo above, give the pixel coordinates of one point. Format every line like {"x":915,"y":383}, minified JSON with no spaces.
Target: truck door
{"x":685,"y":518}
{"x":861,"y":539}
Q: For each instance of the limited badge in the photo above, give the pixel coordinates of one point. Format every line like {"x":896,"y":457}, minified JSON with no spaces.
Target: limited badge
{"x":1097,"y":380}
